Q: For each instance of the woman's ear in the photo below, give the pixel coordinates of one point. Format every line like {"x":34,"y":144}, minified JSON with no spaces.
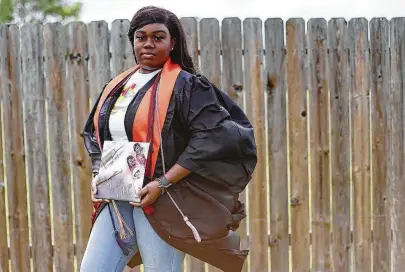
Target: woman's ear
{"x":172,"y":44}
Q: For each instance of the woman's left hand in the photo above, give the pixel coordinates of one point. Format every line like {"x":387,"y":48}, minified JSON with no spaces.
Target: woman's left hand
{"x":148,"y":194}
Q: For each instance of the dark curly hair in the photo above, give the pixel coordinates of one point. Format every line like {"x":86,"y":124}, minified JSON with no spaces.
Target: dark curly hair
{"x":152,"y":15}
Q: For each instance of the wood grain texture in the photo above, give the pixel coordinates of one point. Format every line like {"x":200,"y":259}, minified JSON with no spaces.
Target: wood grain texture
{"x":360,"y":135}
{"x":36,"y":147}
{"x":319,"y":144}
{"x":210,"y":44}
{"x":59,"y":147}
{"x":78,"y":95}
{"x":190,"y":28}
{"x":99,"y":58}
{"x":339,"y":84}
{"x":297,"y":114}
{"x":234,"y":87}
{"x":277,"y":144}
{"x":396,"y":138}
{"x":4,"y":256}
{"x":15,"y":154}
{"x":122,"y":53}
{"x":255,"y":109}
{"x":380,"y":91}
{"x":232,"y":59}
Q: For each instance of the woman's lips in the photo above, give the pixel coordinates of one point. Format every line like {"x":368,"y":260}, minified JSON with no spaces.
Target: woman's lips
{"x":148,"y":55}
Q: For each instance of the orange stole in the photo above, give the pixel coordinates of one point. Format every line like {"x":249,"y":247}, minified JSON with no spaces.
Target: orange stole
{"x":168,"y":79}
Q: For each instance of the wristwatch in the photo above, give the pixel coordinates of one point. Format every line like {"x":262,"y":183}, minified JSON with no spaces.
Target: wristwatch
{"x":164,"y":183}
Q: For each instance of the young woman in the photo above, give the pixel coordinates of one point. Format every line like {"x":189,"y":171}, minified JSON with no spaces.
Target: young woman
{"x":202,"y":156}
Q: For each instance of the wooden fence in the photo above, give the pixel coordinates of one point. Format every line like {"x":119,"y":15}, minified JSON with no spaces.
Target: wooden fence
{"x":326,"y":100}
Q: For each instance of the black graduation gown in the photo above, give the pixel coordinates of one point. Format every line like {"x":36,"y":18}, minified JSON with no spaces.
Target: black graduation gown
{"x":208,"y":134}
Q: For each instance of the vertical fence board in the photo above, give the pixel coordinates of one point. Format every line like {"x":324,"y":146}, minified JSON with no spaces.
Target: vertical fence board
{"x":380,"y":89}
{"x":3,"y":89}
{"x":14,"y":155}
{"x":122,"y":53}
{"x":36,"y":148}
{"x":58,"y":127}
{"x":396,"y":138}
{"x":194,"y":264}
{"x":233,"y":86}
{"x":99,"y":58}
{"x":297,"y":114}
{"x":210,"y":44}
{"x":277,"y":144}
{"x":319,"y":144}
{"x":78,"y":93}
{"x":190,"y":27}
{"x":253,"y":43}
{"x":340,"y":142}
{"x":232,"y":59}
{"x":358,"y":33}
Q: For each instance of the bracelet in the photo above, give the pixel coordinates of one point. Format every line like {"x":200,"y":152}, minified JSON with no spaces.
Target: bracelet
{"x":164,"y":183}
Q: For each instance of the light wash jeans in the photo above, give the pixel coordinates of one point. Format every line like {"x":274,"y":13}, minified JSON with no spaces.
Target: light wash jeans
{"x":104,"y":254}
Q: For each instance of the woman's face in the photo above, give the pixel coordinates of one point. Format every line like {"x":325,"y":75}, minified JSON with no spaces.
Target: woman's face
{"x":153,"y":45}
{"x":137,"y":174}
{"x":140,"y":158}
{"x":131,"y":161}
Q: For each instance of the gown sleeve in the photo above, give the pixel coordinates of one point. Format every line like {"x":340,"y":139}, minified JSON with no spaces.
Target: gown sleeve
{"x":221,"y":143}
{"x":90,"y":140}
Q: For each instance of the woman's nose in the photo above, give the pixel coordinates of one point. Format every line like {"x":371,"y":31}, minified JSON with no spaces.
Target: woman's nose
{"x":148,"y":43}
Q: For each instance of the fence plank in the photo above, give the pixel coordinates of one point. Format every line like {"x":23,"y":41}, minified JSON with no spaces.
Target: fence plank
{"x":14,"y":156}
{"x":78,"y":93}
{"x":319,"y":144}
{"x":277,"y":144}
{"x":190,"y":27}
{"x":396,"y":138}
{"x":4,"y":258}
{"x":35,"y":133}
{"x":233,"y":86}
{"x":252,"y":29}
{"x":194,"y":264}
{"x":122,"y":53}
{"x":380,"y":89}
{"x":99,"y":58}
{"x":57,"y":116}
{"x":358,"y":33}
{"x":297,"y":114}
{"x":340,"y":142}
{"x":232,"y":59}
{"x":210,"y":44}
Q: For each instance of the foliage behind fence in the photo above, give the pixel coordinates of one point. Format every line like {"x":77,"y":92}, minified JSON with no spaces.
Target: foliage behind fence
{"x":326,"y":101}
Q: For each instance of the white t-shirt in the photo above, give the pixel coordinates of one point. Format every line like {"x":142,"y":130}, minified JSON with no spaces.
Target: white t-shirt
{"x":117,"y":116}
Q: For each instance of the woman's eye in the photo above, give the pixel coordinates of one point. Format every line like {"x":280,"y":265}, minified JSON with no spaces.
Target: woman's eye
{"x":159,"y":38}
{"x":139,"y":37}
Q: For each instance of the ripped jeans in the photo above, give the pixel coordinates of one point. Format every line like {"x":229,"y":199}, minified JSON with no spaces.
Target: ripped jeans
{"x":104,"y":254}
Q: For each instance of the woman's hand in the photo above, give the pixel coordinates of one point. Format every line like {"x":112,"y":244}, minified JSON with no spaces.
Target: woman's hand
{"x":148,"y":194}
{"x":94,"y":191}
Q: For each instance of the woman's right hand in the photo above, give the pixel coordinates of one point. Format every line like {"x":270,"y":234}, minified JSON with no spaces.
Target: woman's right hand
{"x":94,"y":191}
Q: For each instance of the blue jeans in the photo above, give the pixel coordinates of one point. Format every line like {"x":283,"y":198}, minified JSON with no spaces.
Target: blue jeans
{"x":104,"y":254}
